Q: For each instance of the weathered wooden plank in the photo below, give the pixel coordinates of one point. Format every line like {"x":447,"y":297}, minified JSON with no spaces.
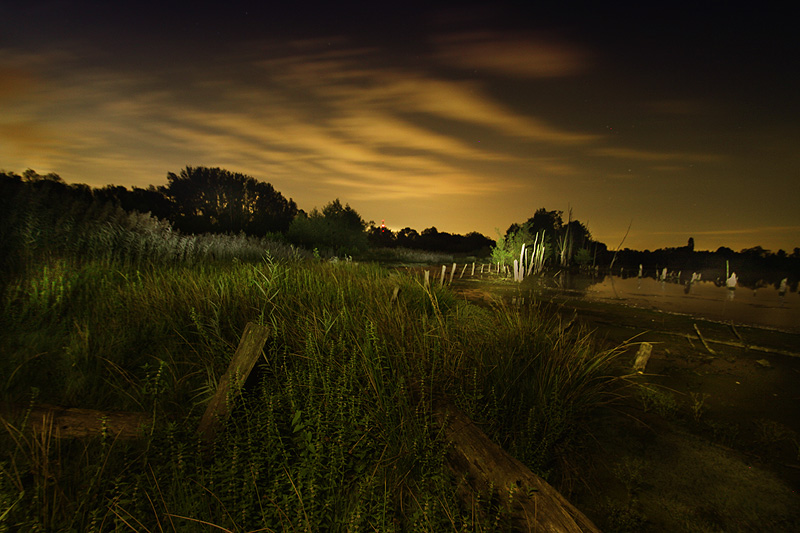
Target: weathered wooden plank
{"x":642,"y":357}
{"x":71,"y":422}
{"x":249,"y":350}
{"x":487,"y":468}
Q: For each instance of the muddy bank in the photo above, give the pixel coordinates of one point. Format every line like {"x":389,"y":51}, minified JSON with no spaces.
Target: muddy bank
{"x":708,"y":437}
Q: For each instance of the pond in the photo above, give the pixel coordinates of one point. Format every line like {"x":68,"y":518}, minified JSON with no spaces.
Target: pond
{"x":763,"y":307}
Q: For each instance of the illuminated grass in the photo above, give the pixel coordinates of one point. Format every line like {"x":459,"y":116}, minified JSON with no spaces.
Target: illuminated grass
{"x":335,"y":433}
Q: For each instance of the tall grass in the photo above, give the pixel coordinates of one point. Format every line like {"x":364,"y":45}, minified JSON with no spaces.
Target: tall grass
{"x":402,"y":255}
{"x":336,"y":432}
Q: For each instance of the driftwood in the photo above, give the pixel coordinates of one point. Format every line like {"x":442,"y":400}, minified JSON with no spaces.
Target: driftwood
{"x":712,"y":352}
{"x":252,"y":342}
{"x":642,"y":357}
{"x":71,"y":422}
{"x":488,"y":470}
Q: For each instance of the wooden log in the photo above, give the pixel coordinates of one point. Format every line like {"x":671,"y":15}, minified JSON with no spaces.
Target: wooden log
{"x":642,"y":356}
{"x":249,"y":350}
{"x":72,"y":422}
{"x":490,"y":471}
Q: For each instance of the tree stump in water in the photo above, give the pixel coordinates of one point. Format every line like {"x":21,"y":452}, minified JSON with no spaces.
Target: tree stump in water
{"x":535,"y":505}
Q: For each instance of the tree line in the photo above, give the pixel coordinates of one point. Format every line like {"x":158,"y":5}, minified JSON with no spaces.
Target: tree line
{"x":200,"y":200}
{"x":203,"y":200}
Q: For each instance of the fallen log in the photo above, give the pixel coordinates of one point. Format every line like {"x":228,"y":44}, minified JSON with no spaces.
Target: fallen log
{"x":72,"y":422}
{"x":247,"y":353}
{"x":489,"y":470}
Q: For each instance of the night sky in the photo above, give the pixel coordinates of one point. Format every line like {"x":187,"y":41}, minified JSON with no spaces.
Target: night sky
{"x":682,"y":121}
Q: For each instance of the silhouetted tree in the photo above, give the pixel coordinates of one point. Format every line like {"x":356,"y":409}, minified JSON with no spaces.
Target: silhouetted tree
{"x":381,"y":236}
{"x":150,"y":200}
{"x":216,"y":200}
{"x":548,"y":221}
{"x":407,"y":238}
{"x":338,"y":229}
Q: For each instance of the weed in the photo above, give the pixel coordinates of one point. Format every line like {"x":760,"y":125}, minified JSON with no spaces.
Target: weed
{"x":726,"y":433}
{"x":698,"y":405}
{"x":622,"y":518}
{"x":336,"y":429}
{"x":629,"y":472}
{"x":653,"y":399}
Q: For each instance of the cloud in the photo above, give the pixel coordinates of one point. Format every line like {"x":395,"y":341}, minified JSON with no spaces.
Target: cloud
{"x":652,"y":156}
{"x":516,"y":55}
{"x":14,"y":82}
{"x":346,"y":82}
{"x":466,"y":102}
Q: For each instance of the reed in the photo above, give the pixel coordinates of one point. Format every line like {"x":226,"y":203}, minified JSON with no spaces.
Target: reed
{"x":335,"y":433}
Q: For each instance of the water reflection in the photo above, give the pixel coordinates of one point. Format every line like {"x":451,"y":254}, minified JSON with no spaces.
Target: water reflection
{"x":767,"y":306}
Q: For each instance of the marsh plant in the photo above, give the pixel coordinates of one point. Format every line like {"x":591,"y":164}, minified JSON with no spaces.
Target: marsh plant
{"x":335,"y":432}
{"x":698,"y":405}
{"x":655,"y":399}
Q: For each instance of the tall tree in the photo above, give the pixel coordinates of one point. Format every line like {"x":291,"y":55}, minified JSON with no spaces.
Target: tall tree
{"x":216,"y":200}
{"x":338,"y":229}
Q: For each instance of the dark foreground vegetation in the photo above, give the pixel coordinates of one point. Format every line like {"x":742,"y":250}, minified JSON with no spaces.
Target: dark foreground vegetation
{"x":116,"y":311}
{"x":107,"y":307}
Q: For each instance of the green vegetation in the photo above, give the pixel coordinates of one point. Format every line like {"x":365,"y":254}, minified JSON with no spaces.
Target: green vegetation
{"x":548,"y":240}
{"x":336,"y":432}
{"x":337,"y":229}
{"x":655,"y":399}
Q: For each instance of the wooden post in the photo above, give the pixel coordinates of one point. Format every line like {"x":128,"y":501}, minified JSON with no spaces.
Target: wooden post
{"x":452,"y":272}
{"x":252,"y":342}
{"x":444,"y":272}
{"x":487,"y":468}
{"x":473,"y":270}
{"x":462,"y":271}
{"x":642,"y":356}
{"x":427,"y":278}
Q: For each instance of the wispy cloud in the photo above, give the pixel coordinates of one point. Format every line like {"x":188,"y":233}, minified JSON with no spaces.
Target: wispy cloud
{"x":633,"y":154}
{"x":517,"y":55}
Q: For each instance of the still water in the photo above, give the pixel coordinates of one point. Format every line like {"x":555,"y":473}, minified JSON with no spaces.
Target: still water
{"x":762,"y":307}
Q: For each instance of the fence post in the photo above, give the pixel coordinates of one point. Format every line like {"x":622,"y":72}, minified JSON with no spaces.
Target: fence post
{"x":252,"y":342}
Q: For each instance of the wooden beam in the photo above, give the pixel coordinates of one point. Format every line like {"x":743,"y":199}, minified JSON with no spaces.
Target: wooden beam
{"x":72,"y":422}
{"x":491,"y":471}
{"x":642,"y":356}
{"x":252,"y":342}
